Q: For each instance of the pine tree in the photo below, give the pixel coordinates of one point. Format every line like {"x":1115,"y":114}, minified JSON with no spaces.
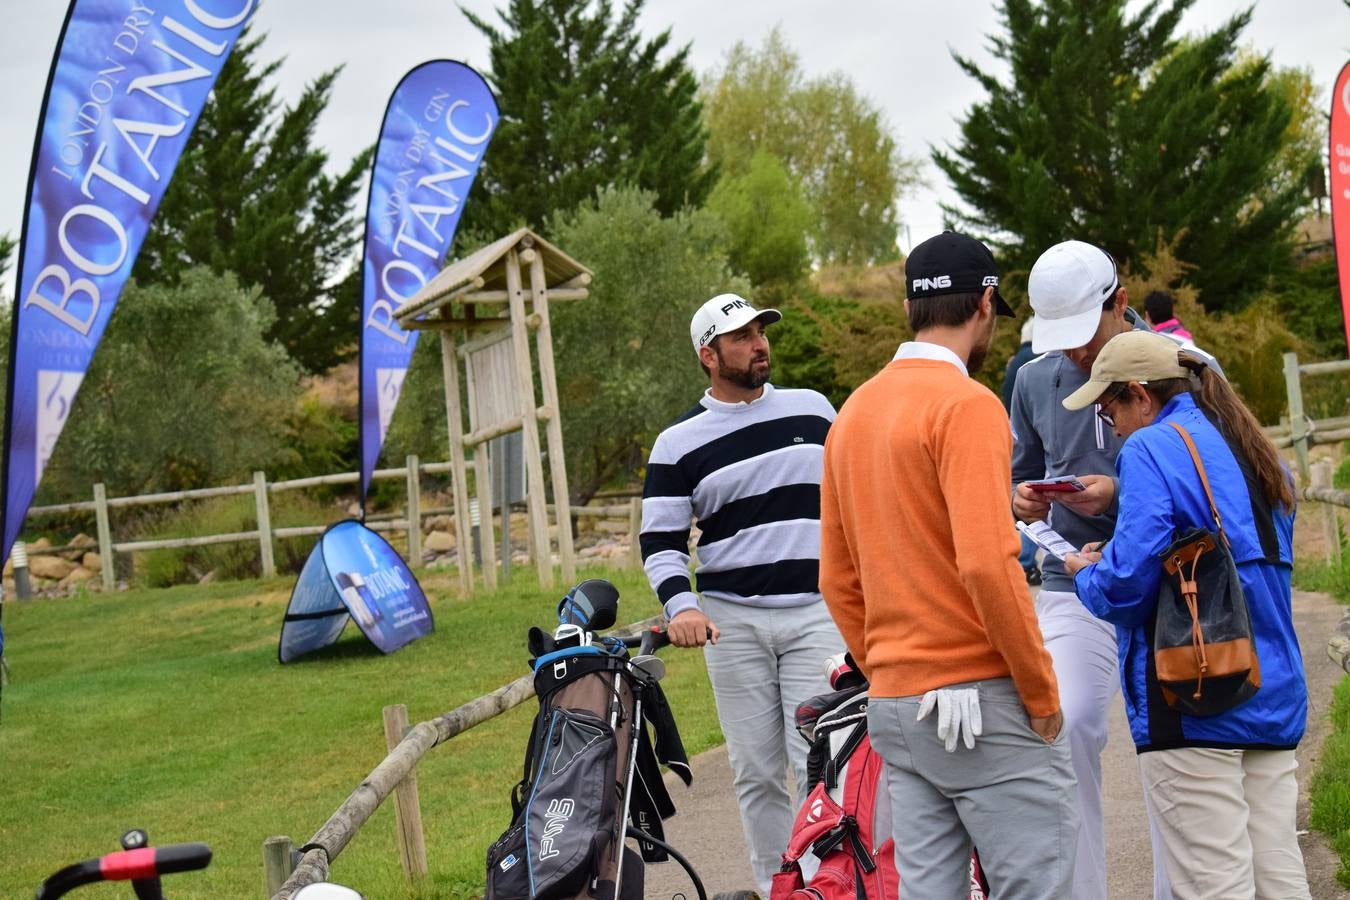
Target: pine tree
{"x":1109,"y":128}
{"x":586,"y":103}
{"x":250,"y":196}
{"x":7,"y":245}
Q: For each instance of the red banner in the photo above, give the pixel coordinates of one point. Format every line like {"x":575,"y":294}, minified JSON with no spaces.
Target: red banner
{"x":1340,"y":188}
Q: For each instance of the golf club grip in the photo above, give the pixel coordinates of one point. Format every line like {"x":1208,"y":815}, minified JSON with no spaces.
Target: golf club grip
{"x":659,"y":637}
{"x":149,"y":862}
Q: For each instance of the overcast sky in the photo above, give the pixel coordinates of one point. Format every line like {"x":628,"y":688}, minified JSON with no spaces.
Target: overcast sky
{"x":898,"y":52}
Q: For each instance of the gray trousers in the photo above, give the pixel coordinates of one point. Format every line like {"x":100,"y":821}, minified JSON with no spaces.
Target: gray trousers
{"x":765,"y":663}
{"x":1012,"y":795}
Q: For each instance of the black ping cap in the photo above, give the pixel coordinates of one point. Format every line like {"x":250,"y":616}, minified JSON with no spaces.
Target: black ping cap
{"x":951,"y":263}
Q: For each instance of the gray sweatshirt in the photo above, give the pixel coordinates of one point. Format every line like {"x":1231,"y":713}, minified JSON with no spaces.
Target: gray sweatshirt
{"x":1048,"y":440}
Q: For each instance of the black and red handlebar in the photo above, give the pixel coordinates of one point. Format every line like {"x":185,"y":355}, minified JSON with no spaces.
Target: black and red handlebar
{"x":141,"y":866}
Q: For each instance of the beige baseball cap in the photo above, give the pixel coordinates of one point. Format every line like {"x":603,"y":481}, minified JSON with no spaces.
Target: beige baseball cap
{"x":1141,"y":356}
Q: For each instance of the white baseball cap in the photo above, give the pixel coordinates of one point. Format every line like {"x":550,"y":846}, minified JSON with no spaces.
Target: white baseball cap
{"x":1068,"y":286}
{"x":726,"y":313}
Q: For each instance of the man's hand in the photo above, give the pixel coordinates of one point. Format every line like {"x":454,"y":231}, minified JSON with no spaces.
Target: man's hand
{"x":1030,"y":506}
{"x":1048,"y":727}
{"x":692,"y":628}
{"x":1093,"y":500}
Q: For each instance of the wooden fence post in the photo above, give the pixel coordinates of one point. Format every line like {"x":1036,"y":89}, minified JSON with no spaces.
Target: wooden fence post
{"x":414,"y":513}
{"x":1321,"y":478}
{"x":534,"y":467}
{"x":105,"y":547}
{"x":277,"y":866}
{"x":1298,"y":423}
{"x":412,"y":847}
{"x":269,"y":566}
{"x":635,"y":531}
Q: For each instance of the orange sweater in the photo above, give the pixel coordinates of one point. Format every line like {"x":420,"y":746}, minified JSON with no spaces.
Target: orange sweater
{"x":918,"y":555}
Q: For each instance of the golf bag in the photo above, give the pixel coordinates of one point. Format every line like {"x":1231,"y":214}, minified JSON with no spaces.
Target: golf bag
{"x":841,"y":846}
{"x":590,"y":766}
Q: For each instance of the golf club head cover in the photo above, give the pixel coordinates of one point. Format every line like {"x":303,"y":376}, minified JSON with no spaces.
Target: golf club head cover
{"x":593,"y":604}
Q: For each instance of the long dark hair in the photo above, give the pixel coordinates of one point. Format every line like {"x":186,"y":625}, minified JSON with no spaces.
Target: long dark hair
{"x":1218,"y":398}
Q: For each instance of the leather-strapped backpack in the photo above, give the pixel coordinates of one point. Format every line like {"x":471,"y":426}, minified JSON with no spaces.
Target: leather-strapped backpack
{"x":1203,"y":647}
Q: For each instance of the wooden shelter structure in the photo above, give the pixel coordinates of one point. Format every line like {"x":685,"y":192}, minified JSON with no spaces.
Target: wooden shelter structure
{"x":485,"y":307}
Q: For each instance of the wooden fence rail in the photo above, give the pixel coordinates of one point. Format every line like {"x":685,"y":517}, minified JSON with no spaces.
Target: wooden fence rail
{"x":400,"y":765}
{"x":265,"y":534}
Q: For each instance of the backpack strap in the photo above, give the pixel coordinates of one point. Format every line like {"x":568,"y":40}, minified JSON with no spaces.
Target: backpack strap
{"x":1204,"y":478}
{"x":840,"y":759}
{"x":518,"y":792}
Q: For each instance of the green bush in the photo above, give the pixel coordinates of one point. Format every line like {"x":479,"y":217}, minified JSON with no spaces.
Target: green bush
{"x":222,"y":515}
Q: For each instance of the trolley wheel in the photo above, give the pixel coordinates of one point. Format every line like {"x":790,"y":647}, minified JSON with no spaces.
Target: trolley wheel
{"x":737,"y":895}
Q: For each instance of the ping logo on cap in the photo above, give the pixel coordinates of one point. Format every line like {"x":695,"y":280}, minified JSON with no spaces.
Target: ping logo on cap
{"x":927,"y":284}
{"x":735,"y":304}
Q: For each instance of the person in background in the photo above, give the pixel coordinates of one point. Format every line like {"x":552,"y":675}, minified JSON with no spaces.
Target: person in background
{"x":1027,"y":558}
{"x":919,"y":570}
{"x":1221,"y":787}
{"x":745,"y":461}
{"x":1159,"y":313}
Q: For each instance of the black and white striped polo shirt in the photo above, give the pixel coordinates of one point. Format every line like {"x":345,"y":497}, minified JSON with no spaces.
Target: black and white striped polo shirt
{"x":749,"y":473}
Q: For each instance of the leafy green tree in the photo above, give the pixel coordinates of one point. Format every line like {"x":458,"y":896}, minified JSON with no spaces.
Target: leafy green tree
{"x":832,"y":140}
{"x":586,"y":103}
{"x":1108,"y":128}
{"x":768,"y":220}
{"x":185,"y":391}
{"x":626,"y":368}
{"x":251,"y":196}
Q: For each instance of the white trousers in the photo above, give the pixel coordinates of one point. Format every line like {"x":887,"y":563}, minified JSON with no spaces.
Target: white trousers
{"x":1228,"y":820}
{"x":766,"y":662}
{"x":1083,"y":651}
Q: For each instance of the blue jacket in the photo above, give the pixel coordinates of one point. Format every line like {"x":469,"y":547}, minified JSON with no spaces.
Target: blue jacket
{"x":1161,"y":495}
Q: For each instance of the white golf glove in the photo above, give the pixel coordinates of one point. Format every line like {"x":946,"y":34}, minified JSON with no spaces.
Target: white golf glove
{"x":958,"y":714}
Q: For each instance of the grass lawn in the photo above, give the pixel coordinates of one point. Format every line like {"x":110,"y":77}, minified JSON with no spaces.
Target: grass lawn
{"x":167,"y":710}
{"x":1330,"y":789}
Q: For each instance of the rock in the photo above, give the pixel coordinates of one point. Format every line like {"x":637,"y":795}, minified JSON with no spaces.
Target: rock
{"x":78,"y":546}
{"x":438,"y":523}
{"x":77,"y":575}
{"x":9,"y":567}
{"x":612,"y":526}
{"x":39,"y":543}
{"x":52,"y":567}
{"x":207,"y":578}
{"x":92,"y":561}
{"x":439,"y":542}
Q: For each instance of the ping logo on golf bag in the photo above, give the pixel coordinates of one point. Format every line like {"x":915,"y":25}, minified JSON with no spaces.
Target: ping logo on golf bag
{"x":555,"y":819}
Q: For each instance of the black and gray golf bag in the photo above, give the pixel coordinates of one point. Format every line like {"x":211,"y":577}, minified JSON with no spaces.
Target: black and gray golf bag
{"x":592,"y":764}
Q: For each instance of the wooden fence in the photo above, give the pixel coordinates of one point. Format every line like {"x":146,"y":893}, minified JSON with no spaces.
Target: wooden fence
{"x":1302,"y":433}
{"x":286,"y":871}
{"x":264,"y":535}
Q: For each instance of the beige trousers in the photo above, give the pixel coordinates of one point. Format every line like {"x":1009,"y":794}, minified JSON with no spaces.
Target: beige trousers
{"x":1228,"y":822}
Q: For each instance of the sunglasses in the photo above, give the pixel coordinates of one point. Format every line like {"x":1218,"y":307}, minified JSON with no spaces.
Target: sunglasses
{"x":1105,"y":402}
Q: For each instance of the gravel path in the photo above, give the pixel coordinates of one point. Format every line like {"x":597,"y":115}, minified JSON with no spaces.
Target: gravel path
{"x":707,"y":828}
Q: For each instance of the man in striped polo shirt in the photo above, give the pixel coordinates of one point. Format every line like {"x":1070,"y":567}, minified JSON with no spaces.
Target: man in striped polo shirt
{"x":745,"y":462}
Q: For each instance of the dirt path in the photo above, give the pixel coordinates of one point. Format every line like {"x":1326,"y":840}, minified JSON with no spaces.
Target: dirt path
{"x":707,"y":828}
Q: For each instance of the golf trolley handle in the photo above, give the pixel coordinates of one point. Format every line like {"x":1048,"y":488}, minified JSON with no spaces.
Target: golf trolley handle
{"x":127,"y":865}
